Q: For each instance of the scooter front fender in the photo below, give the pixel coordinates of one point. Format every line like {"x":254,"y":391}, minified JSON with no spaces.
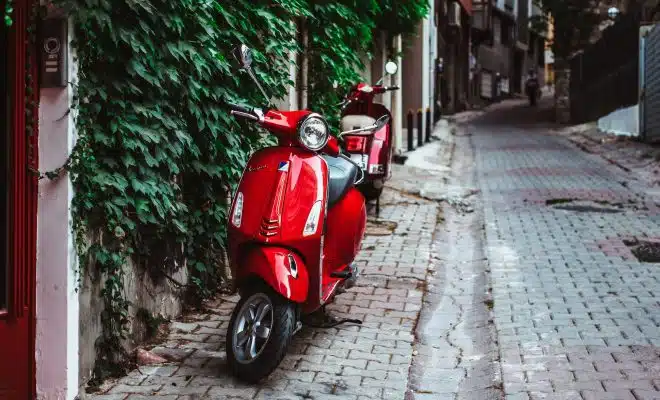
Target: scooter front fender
{"x":282,"y":269}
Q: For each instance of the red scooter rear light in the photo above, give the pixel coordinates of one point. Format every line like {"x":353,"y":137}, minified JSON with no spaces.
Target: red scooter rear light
{"x":354,"y":143}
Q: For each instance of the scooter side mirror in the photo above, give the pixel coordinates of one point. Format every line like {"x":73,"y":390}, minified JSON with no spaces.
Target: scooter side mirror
{"x":391,"y":67}
{"x":243,"y":55}
{"x":381,"y":122}
{"x":368,"y":130}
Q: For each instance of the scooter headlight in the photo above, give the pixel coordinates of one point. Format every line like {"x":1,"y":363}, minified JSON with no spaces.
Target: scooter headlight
{"x":237,"y":215}
{"x":313,"y":132}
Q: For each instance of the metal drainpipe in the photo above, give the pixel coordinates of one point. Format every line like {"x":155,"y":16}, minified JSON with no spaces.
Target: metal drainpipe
{"x":397,"y":100}
{"x":304,"y":66}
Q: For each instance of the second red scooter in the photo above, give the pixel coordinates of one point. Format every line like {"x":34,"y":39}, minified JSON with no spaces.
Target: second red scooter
{"x":371,"y":150}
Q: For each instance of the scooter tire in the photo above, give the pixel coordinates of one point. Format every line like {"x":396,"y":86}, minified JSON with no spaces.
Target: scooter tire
{"x":275,"y":348}
{"x":370,"y":192}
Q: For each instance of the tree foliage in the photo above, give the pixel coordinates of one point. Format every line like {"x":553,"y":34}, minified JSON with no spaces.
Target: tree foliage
{"x":157,"y":152}
{"x":341,"y":32}
{"x":574,"y":22}
{"x":400,"y":17}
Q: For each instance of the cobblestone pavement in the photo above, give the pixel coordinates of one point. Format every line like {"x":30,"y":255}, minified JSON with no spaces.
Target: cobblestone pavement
{"x":370,"y":361}
{"x":577,"y":316}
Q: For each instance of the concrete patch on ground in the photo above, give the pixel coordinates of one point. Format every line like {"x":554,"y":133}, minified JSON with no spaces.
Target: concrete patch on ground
{"x":456,"y":353}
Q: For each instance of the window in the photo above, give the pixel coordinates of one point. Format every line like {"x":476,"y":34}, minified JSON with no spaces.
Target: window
{"x":506,"y":33}
{"x":497,"y":30}
{"x":5,"y":129}
{"x":540,"y":54}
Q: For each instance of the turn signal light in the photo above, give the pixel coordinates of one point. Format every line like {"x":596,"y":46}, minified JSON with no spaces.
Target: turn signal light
{"x":354,"y":143}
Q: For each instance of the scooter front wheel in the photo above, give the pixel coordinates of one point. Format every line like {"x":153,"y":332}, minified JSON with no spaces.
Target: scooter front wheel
{"x":259,"y":333}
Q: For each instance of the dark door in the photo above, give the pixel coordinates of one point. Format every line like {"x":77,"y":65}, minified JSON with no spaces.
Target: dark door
{"x":17,"y":216}
{"x":519,"y":57}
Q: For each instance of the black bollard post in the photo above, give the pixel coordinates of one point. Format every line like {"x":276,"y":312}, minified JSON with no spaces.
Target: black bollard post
{"x":428,"y":125}
{"x":420,"y":129}
{"x":410,"y":131}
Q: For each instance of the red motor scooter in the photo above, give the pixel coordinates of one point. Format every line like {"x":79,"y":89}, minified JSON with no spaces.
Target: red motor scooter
{"x":295,"y":227}
{"x":371,"y":150}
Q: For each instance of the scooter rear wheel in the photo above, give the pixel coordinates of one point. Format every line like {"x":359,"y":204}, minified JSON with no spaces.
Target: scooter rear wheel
{"x":259,"y":333}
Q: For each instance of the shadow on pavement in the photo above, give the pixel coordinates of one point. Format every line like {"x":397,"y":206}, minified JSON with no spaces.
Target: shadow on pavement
{"x":518,"y":113}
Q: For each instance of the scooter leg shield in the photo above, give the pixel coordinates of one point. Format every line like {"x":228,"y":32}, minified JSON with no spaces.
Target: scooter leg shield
{"x":282,"y":269}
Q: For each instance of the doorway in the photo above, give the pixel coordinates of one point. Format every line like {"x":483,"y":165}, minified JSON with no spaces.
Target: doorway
{"x":17,"y":216}
{"x":5,"y":127}
{"x":518,"y":61}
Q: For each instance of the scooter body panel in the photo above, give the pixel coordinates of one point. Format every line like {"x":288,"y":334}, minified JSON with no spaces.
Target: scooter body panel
{"x":279,"y":189}
{"x":281,"y":268}
{"x":345,"y":228}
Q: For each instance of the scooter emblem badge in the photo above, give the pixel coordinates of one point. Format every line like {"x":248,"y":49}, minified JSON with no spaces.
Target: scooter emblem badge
{"x":257,"y":168}
{"x":283,"y":167}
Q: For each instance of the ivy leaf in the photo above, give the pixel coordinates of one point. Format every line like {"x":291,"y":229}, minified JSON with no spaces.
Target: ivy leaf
{"x":179,"y":225}
{"x":150,"y":136}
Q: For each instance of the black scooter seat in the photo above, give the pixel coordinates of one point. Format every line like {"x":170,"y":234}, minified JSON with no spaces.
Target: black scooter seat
{"x":342,"y":177}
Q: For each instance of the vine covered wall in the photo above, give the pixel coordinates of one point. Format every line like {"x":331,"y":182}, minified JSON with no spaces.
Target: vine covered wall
{"x":158,"y":154}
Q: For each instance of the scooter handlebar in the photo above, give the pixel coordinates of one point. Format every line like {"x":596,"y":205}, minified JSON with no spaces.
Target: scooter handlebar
{"x":392,"y":88}
{"x":240,"y":108}
{"x":246,"y":112}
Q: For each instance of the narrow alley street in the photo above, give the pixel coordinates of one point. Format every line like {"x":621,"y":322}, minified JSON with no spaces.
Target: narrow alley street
{"x":577,"y":314}
{"x":504,"y":264}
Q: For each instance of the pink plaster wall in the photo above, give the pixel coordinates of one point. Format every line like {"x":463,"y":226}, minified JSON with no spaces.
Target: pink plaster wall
{"x":54,"y":256}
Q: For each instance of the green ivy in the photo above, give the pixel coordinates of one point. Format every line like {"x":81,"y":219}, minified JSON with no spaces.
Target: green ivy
{"x":7,"y":12}
{"x":340,"y":32}
{"x":157,"y":153}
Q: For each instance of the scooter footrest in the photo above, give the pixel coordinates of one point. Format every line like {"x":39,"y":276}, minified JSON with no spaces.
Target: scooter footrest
{"x":346,"y":274}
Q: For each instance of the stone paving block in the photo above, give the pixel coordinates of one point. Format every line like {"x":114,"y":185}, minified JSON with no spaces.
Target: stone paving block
{"x":269,"y":394}
{"x":180,"y":390}
{"x":216,"y":392}
{"x":557,"y":395}
{"x":618,"y":385}
{"x":142,"y":389}
{"x":617,"y":395}
{"x":646,"y":394}
{"x":517,"y":396}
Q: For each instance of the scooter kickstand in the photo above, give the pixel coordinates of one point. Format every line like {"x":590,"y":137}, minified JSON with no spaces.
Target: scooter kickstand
{"x":378,"y":207}
{"x":328,"y":321}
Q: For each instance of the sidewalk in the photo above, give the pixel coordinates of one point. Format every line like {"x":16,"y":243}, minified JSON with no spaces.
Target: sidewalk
{"x":349,"y":362}
{"x":642,"y":159}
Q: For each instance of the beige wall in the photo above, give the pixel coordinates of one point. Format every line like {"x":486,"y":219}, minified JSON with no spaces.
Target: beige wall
{"x":412,"y":70}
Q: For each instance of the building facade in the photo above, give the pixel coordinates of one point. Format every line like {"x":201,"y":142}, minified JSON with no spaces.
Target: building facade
{"x":506,"y":45}
{"x":452,"y":65}
{"x":494,"y":40}
{"x":417,"y":66}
